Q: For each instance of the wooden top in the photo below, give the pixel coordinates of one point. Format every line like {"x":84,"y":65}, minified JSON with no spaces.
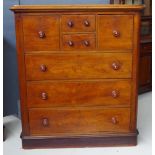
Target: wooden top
{"x":85,"y":7}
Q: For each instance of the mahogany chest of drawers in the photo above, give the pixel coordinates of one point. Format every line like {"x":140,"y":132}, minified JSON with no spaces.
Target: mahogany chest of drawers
{"x":78,"y":74}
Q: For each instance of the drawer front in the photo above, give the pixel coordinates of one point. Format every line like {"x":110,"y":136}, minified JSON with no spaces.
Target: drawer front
{"x":78,"y":93}
{"x":78,"y":23}
{"x":115,"y":32}
{"x":78,"y":42}
{"x":41,"y":33}
{"x":78,"y":121}
{"x":78,"y":66}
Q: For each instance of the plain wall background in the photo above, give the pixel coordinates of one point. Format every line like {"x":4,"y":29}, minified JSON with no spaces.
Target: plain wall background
{"x":10,"y":75}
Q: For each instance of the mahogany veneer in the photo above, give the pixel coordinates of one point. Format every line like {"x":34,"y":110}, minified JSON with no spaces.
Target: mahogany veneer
{"x":78,"y":68}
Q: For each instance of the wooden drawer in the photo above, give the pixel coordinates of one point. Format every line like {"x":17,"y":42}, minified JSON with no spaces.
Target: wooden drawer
{"x":78,"y":42}
{"x":78,"y":121}
{"x":115,"y":32}
{"x":41,"y":33}
{"x":78,"y":66}
{"x":78,"y":93}
{"x":78,"y":23}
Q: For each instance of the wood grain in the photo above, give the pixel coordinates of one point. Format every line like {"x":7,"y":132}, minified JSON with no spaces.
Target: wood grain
{"x":78,"y":66}
{"x":48,"y":24}
{"x":21,"y":74}
{"x":78,"y":23}
{"x":107,"y":25}
{"x":78,"y":41}
{"x":84,"y":94}
{"x":77,"y":93}
{"x":82,"y":7}
{"x":78,"y":121}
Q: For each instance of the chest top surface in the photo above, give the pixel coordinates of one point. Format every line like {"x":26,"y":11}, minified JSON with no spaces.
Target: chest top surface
{"x":92,"y":7}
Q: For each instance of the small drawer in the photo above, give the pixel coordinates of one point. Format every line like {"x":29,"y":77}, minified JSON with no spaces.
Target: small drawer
{"x":41,"y":33}
{"x":78,"y":93}
{"x":78,"y":66}
{"x":78,"y":42}
{"x":78,"y":23}
{"x":79,"y":121}
{"x":115,"y":32}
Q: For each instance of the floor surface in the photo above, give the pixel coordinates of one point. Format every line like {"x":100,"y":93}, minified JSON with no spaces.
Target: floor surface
{"x":12,"y":145}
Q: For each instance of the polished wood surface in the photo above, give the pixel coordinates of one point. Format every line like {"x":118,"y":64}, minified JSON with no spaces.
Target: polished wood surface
{"x":78,"y":121}
{"x":119,"y":34}
{"x":77,"y":93}
{"x":80,"y":42}
{"x":82,"y":7}
{"x":41,"y":32}
{"x":78,"y":23}
{"x":78,"y":68}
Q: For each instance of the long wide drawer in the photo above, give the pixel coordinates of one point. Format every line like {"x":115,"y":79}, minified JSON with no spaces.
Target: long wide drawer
{"x":78,"y":93}
{"x":78,"y":121}
{"x":78,"y":66}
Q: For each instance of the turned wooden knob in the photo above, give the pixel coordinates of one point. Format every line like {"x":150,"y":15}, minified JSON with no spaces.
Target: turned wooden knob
{"x":86,"y":23}
{"x":115,"y":65}
{"x":86,"y":43}
{"x":70,"y":24}
{"x":44,"y":96}
{"x":115,"y":93}
{"x":114,"y":120}
{"x":45,"y":122}
{"x":41,"y":34}
{"x":70,"y":43}
{"x":43,"y":68}
{"x":116,"y":33}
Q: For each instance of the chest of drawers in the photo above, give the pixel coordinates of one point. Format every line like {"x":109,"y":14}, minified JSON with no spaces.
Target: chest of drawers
{"x":78,"y":74}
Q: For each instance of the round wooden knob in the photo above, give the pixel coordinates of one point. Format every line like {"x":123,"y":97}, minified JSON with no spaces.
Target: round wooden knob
{"x":70,"y":43}
{"x":44,"y":96}
{"x":115,"y":65}
{"x":86,"y":43}
{"x":116,"y":33}
{"x":41,"y":34}
{"x":45,"y":122}
{"x":43,"y":68}
{"x":115,"y":93}
{"x":70,"y":24}
{"x":86,"y":23}
{"x":114,"y":120}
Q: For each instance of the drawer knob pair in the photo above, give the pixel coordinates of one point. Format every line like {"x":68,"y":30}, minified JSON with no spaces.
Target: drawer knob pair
{"x":85,"y":42}
{"x":41,"y":34}
{"x":116,"y":33}
{"x":71,"y":23}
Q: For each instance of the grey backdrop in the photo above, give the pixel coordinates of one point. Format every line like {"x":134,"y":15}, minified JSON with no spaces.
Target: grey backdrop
{"x":11,"y":92}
